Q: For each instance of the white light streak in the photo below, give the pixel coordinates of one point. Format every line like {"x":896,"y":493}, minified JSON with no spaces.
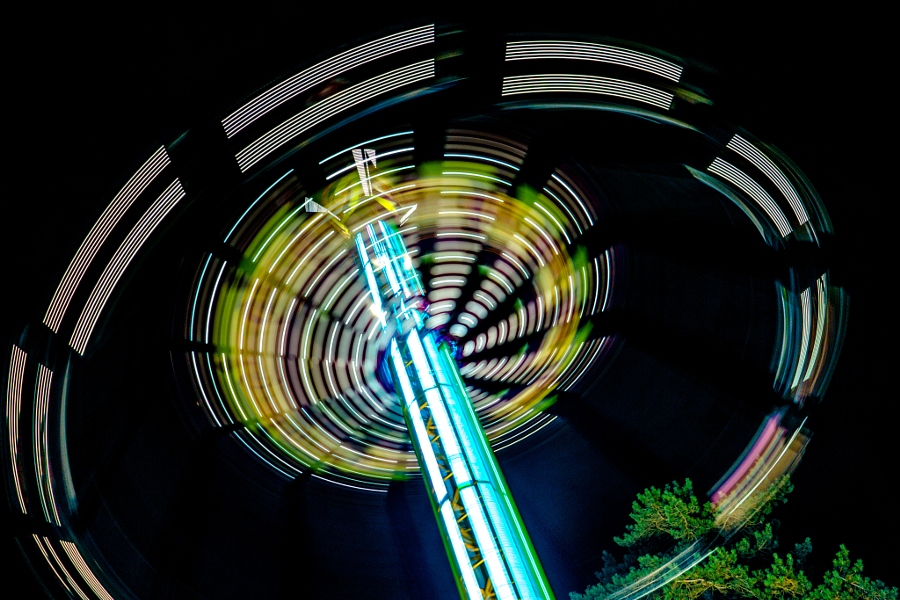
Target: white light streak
{"x":361,"y":161}
{"x":250,"y":395}
{"x":575,"y":370}
{"x":543,"y":234}
{"x":820,"y":325}
{"x":440,"y":307}
{"x":320,"y":72}
{"x":72,"y":551}
{"x":467,"y":174}
{"x":13,"y":411}
{"x":88,"y":249}
{"x":307,"y":255}
{"x":499,"y":278}
{"x":499,"y":366}
{"x":472,"y":193}
{"x":41,"y":443}
{"x":356,"y":307}
{"x":454,"y":257}
{"x":252,"y":204}
{"x":533,"y":250}
{"x":442,"y":281}
{"x":462,"y":234}
{"x":734,"y":175}
{"x":65,"y":571}
{"x":523,"y":323}
{"x":120,"y":261}
{"x":325,"y":109}
{"x":483,"y":296}
{"x":381,"y":174}
{"x":49,"y":562}
{"x":555,"y":305}
{"x":565,"y":207}
{"x":468,"y":319}
{"x":385,"y":194}
{"x":287,"y":246}
{"x":303,"y":362}
{"x":586,"y":84}
{"x":366,"y":143}
{"x":609,"y":271}
{"x":526,"y":430}
{"x":562,"y":229}
{"x":324,"y":270}
{"x":775,"y":175}
{"x":553,"y":49}
{"x":234,"y":394}
{"x":468,"y":213}
{"x":805,"y":335}
{"x":212,"y":300}
{"x":339,"y":289}
{"x":479,"y":157}
{"x":246,"y":312}
{"x":540,"y":313}
{"x":573,"y":194}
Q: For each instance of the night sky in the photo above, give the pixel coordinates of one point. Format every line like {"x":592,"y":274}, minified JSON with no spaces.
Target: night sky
{"x":90,"y":101}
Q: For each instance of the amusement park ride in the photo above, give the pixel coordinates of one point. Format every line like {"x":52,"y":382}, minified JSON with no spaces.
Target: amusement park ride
{"x":391,"y":265}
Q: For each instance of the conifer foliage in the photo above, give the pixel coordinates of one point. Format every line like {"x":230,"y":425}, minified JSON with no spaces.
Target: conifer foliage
{"x":739,"y":560}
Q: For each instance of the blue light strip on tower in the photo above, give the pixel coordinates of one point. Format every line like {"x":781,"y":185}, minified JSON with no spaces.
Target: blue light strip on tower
{"x":486,"y":542}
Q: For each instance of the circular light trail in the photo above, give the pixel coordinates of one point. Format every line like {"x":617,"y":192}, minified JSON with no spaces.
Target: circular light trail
{"x":502,"y":191}
{"x":294,"y":354}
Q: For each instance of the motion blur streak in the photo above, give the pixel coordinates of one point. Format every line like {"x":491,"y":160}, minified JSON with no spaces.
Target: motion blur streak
{"x":806,"y":354}
{"x":13,"y":410}
{"x":734,"y":175}
{"x":593,"y":52}
{"x":56,"y":567}
{"x":775,"y":175}
{"x":518,"y":249}
{"x":321,"y":72}
{"x":325,"y":109}
{"x":299,"y":294}
{"x":120,"y":261}
{"x":572,"y":194}
{"x":75,"y":556}
{"x":65,"y":571}
{"x":774,"y":452}
{"x":41,"y":433}
{"x":587,"y":84}
{"x":497,"y":557}
{"x":98,"y":234}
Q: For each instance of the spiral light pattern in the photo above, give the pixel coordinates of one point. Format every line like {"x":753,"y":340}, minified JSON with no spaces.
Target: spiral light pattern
{"x":274,"y":339}
{"x":295,"y":352}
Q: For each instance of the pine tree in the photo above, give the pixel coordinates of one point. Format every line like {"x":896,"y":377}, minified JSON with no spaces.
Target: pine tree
{"x":672,"y":531}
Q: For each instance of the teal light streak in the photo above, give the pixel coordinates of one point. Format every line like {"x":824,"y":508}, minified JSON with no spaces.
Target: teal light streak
{"x":468,"y":494}
{"x":197,"y":293}
{"x":249,"y":208}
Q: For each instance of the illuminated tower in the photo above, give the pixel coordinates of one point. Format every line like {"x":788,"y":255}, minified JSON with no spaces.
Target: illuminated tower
{"x":486,"y":542}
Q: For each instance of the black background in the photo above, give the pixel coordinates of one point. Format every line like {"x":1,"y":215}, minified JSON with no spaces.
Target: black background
{"x":90,"y":95}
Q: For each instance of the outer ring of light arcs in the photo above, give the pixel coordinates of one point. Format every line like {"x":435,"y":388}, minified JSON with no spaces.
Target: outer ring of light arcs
{"x":764,"y":186}
{"x":763,"y":183}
